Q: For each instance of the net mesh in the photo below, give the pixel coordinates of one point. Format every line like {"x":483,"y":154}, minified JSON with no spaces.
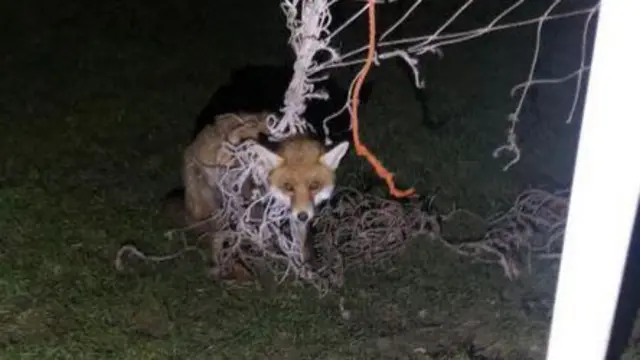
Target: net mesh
{"x":358,"y":228}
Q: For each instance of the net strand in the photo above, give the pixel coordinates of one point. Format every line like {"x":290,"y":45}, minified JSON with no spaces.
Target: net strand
{"x":408,"y":49}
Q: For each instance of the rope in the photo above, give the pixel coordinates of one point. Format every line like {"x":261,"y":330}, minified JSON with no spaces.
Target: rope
{"x":361,"y":149}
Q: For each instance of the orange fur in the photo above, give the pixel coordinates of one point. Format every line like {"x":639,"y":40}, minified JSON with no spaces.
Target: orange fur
{"x":301,"y":171}
{"x":302,"y":175}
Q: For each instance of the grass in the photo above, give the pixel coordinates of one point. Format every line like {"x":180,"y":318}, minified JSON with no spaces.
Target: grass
{"x":97,"y":103}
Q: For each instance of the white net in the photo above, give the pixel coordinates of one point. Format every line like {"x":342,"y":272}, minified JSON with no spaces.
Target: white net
{"x":359,"y":228}
{"x":256,"y":225}
{"x":411,"y":48}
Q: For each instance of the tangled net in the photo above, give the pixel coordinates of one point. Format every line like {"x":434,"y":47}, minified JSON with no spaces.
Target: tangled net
{"x":253,"y":228}
{"x":363,"y":229}
{"x":532,"y":228}
{"x":360,"y":229}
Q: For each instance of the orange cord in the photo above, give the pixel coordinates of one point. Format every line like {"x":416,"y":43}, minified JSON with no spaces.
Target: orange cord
{"x":361,"y":149}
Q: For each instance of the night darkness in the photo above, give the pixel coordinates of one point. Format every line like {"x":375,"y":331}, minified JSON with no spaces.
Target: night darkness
{"x":98,"y":100}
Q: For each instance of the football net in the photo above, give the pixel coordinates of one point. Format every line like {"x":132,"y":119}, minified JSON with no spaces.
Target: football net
{"x":359,"y":228}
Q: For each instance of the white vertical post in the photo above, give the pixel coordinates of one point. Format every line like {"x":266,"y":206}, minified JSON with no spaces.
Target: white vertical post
{"x":605,"y":190}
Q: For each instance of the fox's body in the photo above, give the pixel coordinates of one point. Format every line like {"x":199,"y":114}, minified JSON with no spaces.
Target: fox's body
{"x":203,"y":158}
{"x":237,"y":112}
{"x":300,"y":171}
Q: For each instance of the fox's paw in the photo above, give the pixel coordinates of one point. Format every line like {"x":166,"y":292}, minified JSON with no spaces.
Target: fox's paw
{"x":236,"y":273}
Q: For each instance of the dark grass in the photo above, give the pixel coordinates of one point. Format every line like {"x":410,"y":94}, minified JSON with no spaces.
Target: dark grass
{"x":97,"y":103}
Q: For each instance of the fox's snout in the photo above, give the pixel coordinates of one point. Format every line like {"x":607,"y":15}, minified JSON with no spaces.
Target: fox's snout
{"x":303,"y":214}
{"x":301,"y":202}
{"x":302,"y":210}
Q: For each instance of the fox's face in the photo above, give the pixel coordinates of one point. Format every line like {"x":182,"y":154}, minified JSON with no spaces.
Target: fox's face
{"x":302,"y":174}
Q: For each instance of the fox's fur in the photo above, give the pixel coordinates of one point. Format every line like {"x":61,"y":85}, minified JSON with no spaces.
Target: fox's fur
{"x":253,"y":92}
{"x":301,"y":173}
{"x":198,"y":199}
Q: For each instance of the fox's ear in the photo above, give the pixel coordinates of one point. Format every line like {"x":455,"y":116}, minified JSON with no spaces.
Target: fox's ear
{"x":271,"y":159}
{"x":331,"y":158}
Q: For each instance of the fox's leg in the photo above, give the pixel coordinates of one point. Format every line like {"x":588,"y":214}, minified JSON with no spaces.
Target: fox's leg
{"x":309,"y":251}
{"x":199,"y":197}
{"x":301,"y":232}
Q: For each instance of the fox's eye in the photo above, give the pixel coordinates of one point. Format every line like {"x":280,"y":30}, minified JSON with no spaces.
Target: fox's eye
{"x":288,"y":187}
{"x":314,"y":185}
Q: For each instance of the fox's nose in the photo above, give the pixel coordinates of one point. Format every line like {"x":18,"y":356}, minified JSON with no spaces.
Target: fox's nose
{"x":303,"y":216}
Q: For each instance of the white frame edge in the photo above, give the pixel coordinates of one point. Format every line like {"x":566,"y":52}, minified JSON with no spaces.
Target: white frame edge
{"x":605,"y":191}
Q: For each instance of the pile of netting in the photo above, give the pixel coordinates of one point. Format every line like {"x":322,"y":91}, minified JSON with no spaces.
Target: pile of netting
{"x":358,"y":229}
{"x":533,"y":228}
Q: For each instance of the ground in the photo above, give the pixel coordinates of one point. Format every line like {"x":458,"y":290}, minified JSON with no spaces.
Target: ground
{"x":98,"y":101}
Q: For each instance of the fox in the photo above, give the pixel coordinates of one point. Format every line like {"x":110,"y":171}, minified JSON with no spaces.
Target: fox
{"x":237,"y":112}
{"x":300,"y":172}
